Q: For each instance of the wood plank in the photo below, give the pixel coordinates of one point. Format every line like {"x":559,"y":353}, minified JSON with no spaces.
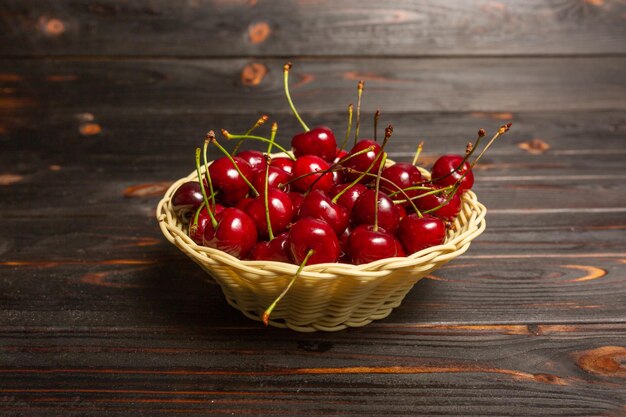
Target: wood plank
{"x":506,"y":370}
{"x":319,"y":85}
{"x":285,"y":28}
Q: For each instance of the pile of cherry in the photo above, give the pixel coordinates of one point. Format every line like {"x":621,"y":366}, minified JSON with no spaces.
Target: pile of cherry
{"x":320,"y":203}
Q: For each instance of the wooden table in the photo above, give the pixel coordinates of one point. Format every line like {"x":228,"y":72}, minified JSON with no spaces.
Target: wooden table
{"x":103,"y":102}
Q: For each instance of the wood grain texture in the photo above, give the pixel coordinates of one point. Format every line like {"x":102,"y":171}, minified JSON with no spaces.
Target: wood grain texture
{"x":312,"y":28}
{"x":319,"y":85}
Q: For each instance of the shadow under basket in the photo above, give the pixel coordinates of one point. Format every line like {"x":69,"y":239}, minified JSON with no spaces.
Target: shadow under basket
{"x":327,"y":297}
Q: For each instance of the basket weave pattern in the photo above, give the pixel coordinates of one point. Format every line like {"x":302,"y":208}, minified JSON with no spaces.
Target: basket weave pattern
{"x":326,"y":297}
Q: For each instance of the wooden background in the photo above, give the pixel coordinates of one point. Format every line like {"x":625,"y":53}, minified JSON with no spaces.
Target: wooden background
{"x":103,"y":101}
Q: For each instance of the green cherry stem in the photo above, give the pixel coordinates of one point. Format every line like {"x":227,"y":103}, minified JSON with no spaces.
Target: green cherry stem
{"x":286,"y":69}
{"x":376,"y":117}
{"x":211,"y":138}
{"x":230,"y":136}
{"x":266,"y":314}
{"x":272,"y":137}
{"x":204,"y":196}
{"x":196,"y":217}
{"x":345,"y":141}
{"x":418,"y":151}
{"x":359,"y":90}
{"x":377,"y":191}
{"x":258,"y":123}
{"x":206,"y":170}
{"x":270,"y":232}
{"x":503,"y":129}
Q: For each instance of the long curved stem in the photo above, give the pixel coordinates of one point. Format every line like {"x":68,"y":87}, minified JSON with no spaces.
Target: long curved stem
{"x":270,"y":232}
{"x":211,"y":138}
{"x":345,"y":141}
{"x":359,"y":87}
{"x":286,"y":69}
{"x":272,"y":137}
{"x":258,"y":123}
{"x":230,"y":136}
{"x":204,"y":196}
{"x":377,"y":191}
{"x":206,"y":170}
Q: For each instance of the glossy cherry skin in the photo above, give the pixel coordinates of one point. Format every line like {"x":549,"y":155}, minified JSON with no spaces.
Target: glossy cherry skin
{"x":447,"y":212}
{"x":403,"y":175}
{"x":280,"y":208}
{"x":197,"y":234}
{"x":284,"y":163}
{"x":363,"y":211}
{"x":227,"y":181}
{"x":319,"y":141}
{"x":186,"y":200}
{"x":367,"y":245}
{"x":235,"y":234}
{"x":445,"y":172}
{"x":341,"y":153}
{"x":243,"y":203}
{"x":276,"y":178}
{"x":308,"y":164}
{"x":296,"y":199}
{"x":362,"y":162}
{"x":401,"y":212}
{"x":255,"y":159}
{"x":348,"y":198}
{"x":418,"y":233}
{"x":318,"y":205}
{"x":316,"y":234}
{"x":275,"y":250}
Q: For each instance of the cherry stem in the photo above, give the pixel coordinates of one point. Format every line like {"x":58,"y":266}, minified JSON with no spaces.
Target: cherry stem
{"x":334,"y":165}
{"x":418,"y":151}
{"x":206,"y":170}
{"x":196,"y":217}
{"x":258,"y":123}
{"x":286,"y":69}
{"x":376,"y":116}
{"x":272,"y":137}
{"x":377,"y":191}
{"x":345,"y":141}
{"x":230,"y":136}
{"x":359,"y":88}
{"x":204,"y":196}
{"x":449,"y":197}
{"x":266,"y":314}
{"x":503,"y":129}
{"x":212,"y":139}
{"x":270,"y":232}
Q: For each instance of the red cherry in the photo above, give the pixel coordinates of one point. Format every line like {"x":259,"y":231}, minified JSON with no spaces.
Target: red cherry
{"x":319,"y":141}
{"x":243,"y":203}
{"x":310,"y":164}
{"x":446,"y":172}
{"x":254,"y":158}
{"x":280,"y":210}
{"x":227,"y":181}
{"x":235,"y":233}
{"x":448,"y":211}
{"x":417,"y":233}
{"x":366,"y":245}
{"x":196,"y":234}
{"x":275,"y":250}
{"x":341,"y":153}
{"x":284,"y":163}
{"x":363,"y":161}
{"x":277,"y":178}
{"x":364,"y":209}
{"x":403,"y":175}
{"x":318,"y":205}
{"x":348,"y":198}
{"x":401,"y":212}
{"x":296,"y":199}
{"x":186,"y":200}
{"x":315,"y":234}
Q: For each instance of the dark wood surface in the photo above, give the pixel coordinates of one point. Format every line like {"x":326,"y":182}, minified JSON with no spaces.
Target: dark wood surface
{"x":103,"y":102}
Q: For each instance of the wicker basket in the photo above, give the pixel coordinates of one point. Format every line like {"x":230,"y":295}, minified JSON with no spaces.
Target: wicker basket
{"x":327,"y":297}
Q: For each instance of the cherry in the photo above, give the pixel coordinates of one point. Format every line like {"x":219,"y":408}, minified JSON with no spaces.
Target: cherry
{"x":341,"y":153}
{"x":403,"y":175}
{"x":296,"y":200}
{"x":243,"y":203}
{"x":417,"y":233}
{"x":313,"y":234}
{"x":365,"y":207}
{"x":277,"y":178}
{"x":319,"y":141}
{"x":439,"y":204}
{"x":279,"y":207}
{"x":227,"y":181}
{"x":275,"y":250}
{"x":367,"y":244}
{"x":304,"y":170}
{"x":401,"y":212}
{"x":450,"y":169}
{"x":186,"y":200}
{"x":286,"y":164}
{"x":255,"y":159}
{"x":317,"y":204}
{"x":349,"y":197}
{"x":196,"y":232}
{"x":367,"y":162}
{"x":235,"y":234}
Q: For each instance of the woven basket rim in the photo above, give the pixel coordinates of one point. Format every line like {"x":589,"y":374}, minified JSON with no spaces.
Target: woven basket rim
{"x":453,"y":247}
